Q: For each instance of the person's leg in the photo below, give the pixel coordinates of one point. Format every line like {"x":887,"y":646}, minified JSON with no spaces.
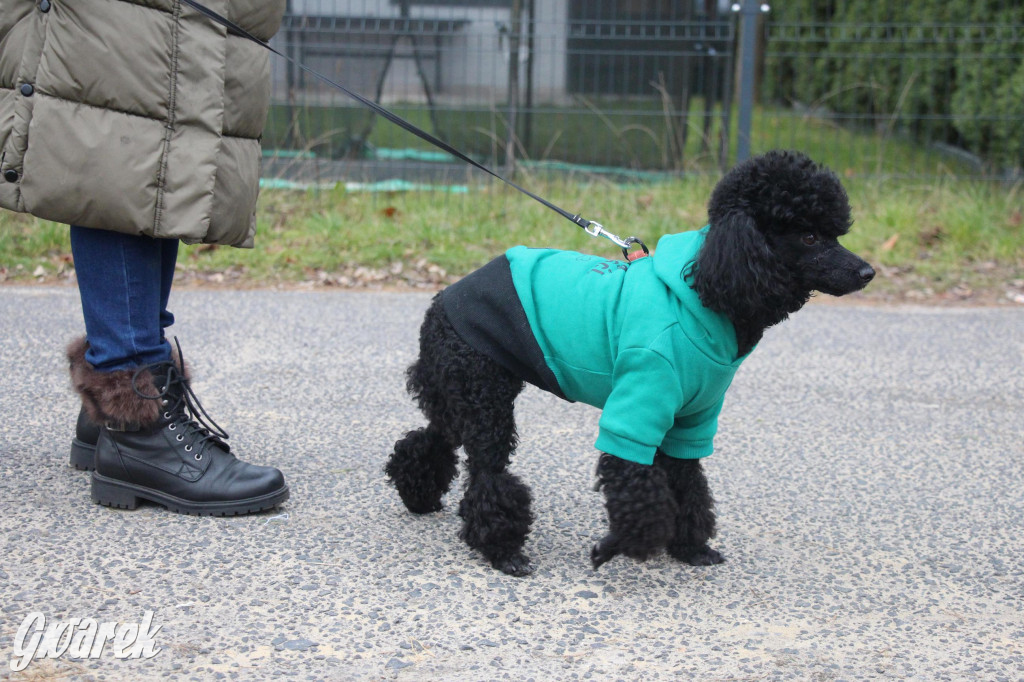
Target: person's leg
{"x":153,"y":443}
{"x":168,"y":261}
{"x":124,"y":284}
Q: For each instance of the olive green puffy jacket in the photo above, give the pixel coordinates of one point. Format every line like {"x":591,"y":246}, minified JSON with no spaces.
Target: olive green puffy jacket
{"x":139,"y":116}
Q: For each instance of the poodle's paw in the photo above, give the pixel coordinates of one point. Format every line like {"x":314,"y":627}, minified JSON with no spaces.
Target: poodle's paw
{"x":426,"y":508}
{"x":603,"y":551}
{"x":418,"y":505}
{"x":517,"y":565}
{"x":697,"y":556}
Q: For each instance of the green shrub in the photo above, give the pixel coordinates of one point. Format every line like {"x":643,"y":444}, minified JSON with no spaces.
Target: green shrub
{"x":948,"y":71}
{"x":990,"y":66}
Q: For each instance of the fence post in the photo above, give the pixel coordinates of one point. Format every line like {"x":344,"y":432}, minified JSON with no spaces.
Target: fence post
{"x":748,"y":11}
{"x":515,"y":34}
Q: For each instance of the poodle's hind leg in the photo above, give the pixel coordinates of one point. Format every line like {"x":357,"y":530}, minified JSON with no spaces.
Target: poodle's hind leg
{"x":641,"y":510}
{"x":468,"y":400}
{"x":495,"y":509}
{"x":695,"y":520}
{"x":496,"y":520}
{"x":424,"y":462}
{"x":421,"y":468}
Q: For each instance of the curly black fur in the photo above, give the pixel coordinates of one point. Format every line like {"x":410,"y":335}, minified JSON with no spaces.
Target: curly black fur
{"x":755,"y":266}
{"x":641,"y":510}
{"x":773,"y":241}
{"x":422,"y":468}
{"x":496,"y":518}
{"x":695,"y":516}
{"x":469,"y":401}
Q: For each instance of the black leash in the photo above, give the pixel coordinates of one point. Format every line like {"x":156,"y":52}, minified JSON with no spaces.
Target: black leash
{"x":590,"y":227}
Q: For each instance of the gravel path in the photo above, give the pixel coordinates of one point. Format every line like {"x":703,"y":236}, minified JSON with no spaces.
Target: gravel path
{"x":869,"y":479}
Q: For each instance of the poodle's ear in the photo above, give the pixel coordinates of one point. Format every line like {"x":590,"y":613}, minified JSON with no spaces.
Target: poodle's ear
{"x":735,"y":267}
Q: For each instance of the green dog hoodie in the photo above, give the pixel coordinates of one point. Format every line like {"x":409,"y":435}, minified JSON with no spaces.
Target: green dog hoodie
{"x":632,"y":339}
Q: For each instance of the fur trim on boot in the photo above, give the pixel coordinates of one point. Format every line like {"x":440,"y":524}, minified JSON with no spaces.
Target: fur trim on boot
{"x":113,"y":397}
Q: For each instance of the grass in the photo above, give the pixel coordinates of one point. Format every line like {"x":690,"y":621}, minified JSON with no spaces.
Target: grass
{"x":943,"y":232}
{"x":639,"y":134}
{"x":940,"y":236}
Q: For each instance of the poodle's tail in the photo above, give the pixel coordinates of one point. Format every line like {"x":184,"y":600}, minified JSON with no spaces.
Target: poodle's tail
{"x":421,"y":468}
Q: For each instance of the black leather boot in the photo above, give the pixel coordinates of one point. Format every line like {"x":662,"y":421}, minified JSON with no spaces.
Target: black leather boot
{"x":157,"y":443}
{"x":83,"y":445}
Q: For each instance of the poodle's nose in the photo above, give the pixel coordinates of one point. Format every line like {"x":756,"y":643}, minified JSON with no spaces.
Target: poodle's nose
{"x":867,"y":273}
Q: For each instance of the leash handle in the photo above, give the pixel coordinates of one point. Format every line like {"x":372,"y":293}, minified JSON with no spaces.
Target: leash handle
{"x":590,"y":227}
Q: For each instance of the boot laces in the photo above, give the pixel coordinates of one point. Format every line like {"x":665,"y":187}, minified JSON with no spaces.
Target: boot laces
{"x":182,"y":407}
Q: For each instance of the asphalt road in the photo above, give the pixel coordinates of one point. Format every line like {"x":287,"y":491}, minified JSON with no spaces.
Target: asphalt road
{"x":869,"y":475}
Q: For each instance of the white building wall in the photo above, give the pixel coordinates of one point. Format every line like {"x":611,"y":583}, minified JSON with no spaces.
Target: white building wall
{"x":473,"y":61}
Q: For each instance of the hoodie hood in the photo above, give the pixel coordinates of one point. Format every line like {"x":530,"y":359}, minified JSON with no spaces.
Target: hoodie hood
{"x":711,"y":332}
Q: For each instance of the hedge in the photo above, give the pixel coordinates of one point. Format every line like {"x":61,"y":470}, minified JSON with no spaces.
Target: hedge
{"x":948,"y":71}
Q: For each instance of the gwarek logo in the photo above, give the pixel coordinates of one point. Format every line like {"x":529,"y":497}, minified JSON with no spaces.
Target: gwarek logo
{"x":82,"y":638}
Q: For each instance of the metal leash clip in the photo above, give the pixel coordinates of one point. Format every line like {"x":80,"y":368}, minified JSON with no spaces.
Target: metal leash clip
{"x":597,"y":230}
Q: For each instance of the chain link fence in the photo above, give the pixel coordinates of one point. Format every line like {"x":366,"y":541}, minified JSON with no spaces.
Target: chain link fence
{"x":897,"y":88}
{"x":646,"y":88}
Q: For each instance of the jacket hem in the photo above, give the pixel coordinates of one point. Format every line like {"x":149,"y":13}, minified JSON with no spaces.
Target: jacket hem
{"x":626,"y":449}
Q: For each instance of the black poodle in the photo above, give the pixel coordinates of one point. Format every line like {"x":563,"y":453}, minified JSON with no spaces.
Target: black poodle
{"x":654,"y":343}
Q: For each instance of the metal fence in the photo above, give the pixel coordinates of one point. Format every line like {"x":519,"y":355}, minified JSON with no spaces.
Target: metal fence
{"x":898,"y":88}
{"x":637,"y":88}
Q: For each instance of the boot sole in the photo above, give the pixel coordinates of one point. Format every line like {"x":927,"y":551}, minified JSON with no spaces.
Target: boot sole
{"x":83,"y":455}
{"x":121,"y":495}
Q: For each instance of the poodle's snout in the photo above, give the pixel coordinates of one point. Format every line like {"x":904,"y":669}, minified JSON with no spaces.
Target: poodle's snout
{"x":841,"y":272}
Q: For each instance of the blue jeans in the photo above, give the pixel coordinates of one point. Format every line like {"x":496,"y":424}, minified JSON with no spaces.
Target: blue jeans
{"x":124,"y":281}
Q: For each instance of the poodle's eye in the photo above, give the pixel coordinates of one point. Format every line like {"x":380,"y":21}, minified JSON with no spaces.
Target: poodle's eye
{"x":810,"y":239}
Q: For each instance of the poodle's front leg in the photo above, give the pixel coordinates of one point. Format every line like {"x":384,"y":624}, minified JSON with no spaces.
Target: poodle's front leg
{"x":695,"y":522}
{"x":641,"y":510}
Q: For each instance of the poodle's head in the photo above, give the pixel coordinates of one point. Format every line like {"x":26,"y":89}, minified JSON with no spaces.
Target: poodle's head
{"x":775,"y":224}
